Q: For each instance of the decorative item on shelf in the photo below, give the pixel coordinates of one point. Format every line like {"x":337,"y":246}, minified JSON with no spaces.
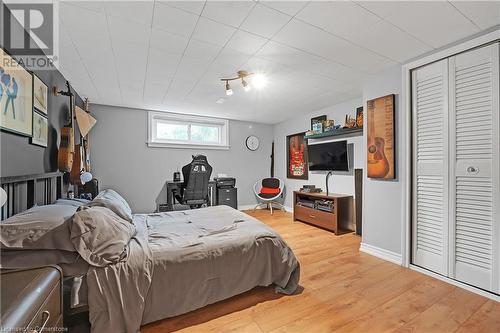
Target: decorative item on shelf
{"x":359,"y":117}
{"x":40,"y":130}
{"x":349,"y":122}
{"x":317,"y":124}
{"x":310,"y":133}
{"x":16,"y":96}
{"x":328,"y":125}
{"x":297,"y":162}
{"x":380,"y":145}
{"x":3,"y":197}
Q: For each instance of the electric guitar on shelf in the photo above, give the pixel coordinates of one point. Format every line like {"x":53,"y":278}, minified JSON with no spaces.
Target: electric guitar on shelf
{"x":67,"y":145}
{"x":378,"y":165}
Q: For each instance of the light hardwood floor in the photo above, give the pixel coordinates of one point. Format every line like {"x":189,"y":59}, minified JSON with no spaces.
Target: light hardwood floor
{"x":344,"y":290}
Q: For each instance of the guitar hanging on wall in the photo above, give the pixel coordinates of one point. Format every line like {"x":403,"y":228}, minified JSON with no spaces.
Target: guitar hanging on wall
{"x":67,"y":146}
{"x":377,"y":163}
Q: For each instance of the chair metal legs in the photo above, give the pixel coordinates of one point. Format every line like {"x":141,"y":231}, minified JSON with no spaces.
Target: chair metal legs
{"x":269,"y":205}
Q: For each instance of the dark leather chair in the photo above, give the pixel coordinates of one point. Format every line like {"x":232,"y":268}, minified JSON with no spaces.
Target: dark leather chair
{"x":194,"y":191}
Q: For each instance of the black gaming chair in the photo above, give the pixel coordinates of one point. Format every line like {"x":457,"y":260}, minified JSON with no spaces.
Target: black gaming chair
{"x":196,"y":176}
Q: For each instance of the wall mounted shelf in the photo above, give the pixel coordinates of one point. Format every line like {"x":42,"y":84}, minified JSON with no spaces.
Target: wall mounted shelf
{"x":340,"y":132}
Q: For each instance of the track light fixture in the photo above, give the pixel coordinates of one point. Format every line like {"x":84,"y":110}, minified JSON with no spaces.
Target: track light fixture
{"x":229,"y":91}
{"x":241,"y":75}
{"x":245,"y":85}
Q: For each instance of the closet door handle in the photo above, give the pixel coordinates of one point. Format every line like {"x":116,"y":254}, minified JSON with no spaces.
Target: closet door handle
{"x":472,"y":169}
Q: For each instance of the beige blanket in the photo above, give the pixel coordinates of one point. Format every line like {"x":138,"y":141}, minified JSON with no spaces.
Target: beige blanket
{"x":181,"y":261}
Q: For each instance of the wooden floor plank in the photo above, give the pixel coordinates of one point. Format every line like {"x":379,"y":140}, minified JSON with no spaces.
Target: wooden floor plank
{"x":447,"y":314}
{"x":342,"y":290}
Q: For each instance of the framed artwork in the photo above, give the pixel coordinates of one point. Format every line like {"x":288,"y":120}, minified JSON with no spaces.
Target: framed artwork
{"x":40,"y":130}
{"x":16,"y":96}
{"x":380,"y":146}
{"x":317,"y":123}
{"x":40,"y":95}
{"x":296,"y":152}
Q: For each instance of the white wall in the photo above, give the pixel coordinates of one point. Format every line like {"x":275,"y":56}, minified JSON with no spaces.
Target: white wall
{"x":382,"y":211}
{"x":340,"y":182}
{"x":122,"y":161}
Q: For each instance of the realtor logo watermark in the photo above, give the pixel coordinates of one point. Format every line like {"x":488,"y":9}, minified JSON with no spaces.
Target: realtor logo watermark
{"x":30,"y":32}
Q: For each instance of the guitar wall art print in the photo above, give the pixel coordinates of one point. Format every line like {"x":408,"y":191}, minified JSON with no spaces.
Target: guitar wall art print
{"x":380,"y":145}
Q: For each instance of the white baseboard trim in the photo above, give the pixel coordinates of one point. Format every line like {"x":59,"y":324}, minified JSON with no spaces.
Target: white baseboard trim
{"x":248,"y":207}
{"x":381,"y":253}
{"x":456,"y":283}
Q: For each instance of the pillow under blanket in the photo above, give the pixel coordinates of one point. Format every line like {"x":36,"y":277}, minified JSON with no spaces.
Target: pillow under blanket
{"x":38,"y":228}
{"x":100,"y":236}
{"x":112,"y":200}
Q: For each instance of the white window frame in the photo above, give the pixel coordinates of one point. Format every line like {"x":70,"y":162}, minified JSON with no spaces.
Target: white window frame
{"x":153,"y":141}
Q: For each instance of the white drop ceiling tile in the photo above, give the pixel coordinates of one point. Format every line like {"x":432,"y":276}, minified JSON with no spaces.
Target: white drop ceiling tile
{"x":228,"y":62}
{"x":202,"y":51}
{"x":174,"y":20}
{"x":96,"y":6}
{"x":436,"y":23}
{"x":77,"y":19}
{"x":265,"y":66}
{"x":138,"y":11}
{"x":228,"y":12}
{"x":297,"y":59}
{"x":264,"y":21}
{"x":288,"y":7}
{"x":245,"y":42}
{"x":161,"y":66}
{"x":389,"y":41}
{"x":314,"y":40}
{"x":338,"y":17}
{"x":122,"y":30}
{"x":483,"y":13}
{"x":191,"y":6}
{"x":168,"y":42}
{"x":212,"y":32}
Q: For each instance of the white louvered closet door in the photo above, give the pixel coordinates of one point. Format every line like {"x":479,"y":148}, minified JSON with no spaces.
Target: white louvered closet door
{"x":430,"y":185}
{"x":474,"y":176}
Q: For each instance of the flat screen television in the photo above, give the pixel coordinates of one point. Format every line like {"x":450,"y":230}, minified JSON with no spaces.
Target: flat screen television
{"x":329,"y":156}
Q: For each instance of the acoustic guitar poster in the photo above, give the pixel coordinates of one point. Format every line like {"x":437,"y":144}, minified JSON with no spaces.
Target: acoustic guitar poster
{"x":380,"y":145}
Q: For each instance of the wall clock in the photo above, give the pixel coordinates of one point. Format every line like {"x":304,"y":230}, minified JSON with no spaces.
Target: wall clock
{"x":252,"y":143}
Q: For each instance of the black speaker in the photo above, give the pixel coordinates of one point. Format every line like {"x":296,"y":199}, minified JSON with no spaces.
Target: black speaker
{"x":358,"y":192}
{"x":91,"y":187}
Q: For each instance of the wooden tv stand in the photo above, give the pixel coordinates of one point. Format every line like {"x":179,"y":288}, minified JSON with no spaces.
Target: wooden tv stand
{"x":337,"y":220}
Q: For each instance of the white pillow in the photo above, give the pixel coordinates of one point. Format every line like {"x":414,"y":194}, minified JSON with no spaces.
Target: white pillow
{"x":100,"y":236}
{"x":39,"y":228}
{"x":112,"y":200}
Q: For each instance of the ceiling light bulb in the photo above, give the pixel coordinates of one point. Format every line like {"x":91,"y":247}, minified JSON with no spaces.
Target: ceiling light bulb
{"x":259,"y":81}
{"x":229,"y":91}
{"x":245,"y":84}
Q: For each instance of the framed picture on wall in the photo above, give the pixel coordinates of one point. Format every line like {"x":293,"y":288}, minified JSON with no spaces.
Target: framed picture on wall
{"x":296,"y":152}
{"x":16,"y":96}
{"x":40,"y":95}
{"x":380,"y":146}
{"x":40,"y":130}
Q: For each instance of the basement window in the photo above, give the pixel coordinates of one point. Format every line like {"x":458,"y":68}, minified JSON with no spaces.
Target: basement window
{"x":185,"y":131}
